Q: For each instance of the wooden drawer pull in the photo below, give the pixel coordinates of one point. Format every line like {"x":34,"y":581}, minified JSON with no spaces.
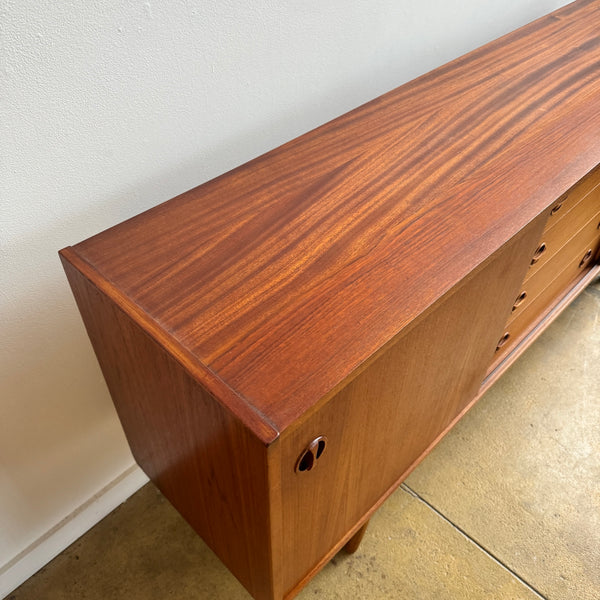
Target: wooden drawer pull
{"x":307,"y":460}
{"x":520,"y":298}
{"x":502,"y":341}
{"x":586,"y":258}
{"x":540,"y":250}
{"x":556,"y":208}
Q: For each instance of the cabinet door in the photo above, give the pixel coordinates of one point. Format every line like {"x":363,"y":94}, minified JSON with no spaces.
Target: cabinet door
{"x":387,"y":417}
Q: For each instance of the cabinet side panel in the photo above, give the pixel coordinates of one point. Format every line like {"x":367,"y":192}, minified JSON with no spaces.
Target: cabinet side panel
{"x":386,"y":418}
{"x":205,"y":462}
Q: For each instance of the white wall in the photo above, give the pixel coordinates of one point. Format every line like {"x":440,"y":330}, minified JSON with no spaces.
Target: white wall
{"x":109,"y":107}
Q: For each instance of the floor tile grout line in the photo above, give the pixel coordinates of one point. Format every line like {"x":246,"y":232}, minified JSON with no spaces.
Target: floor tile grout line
{"x":415,"y":495}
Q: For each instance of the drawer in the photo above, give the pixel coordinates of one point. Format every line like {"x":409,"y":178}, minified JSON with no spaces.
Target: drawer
{"x":520,"y":324}
{"x":536,"y":281}
{"x":571,"y":198}
{"x":555,"y":237}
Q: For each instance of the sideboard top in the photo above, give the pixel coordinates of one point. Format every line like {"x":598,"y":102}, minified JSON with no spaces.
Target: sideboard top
{"x":274,"y":282}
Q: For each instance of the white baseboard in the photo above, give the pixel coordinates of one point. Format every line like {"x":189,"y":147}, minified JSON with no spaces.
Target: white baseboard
{"x":73,"y":526}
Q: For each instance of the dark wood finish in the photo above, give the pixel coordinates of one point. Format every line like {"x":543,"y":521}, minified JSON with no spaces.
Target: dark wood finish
{"x":286,"y":342}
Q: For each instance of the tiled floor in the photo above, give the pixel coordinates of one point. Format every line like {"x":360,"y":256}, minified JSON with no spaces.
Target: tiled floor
{"x":506,"y":507}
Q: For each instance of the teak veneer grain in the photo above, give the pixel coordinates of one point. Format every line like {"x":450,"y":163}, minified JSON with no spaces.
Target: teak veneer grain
{"x":284,"y":343}
{"x":321,"y":251}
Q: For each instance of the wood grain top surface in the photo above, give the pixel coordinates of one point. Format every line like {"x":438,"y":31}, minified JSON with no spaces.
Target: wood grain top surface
{"x":274,"y":282}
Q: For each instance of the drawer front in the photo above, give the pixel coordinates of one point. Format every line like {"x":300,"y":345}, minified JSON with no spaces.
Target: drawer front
{"x":526,"y":316}
{"x":561,"y":231}
{"x":536,"y":281}
{"x":573,"y":197}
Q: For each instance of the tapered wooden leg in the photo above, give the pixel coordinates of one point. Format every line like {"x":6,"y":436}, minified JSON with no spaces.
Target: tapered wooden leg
{"x":354,"y":542}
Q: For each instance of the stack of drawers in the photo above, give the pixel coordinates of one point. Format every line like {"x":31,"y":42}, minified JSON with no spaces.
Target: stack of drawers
{"x":568,"y":248}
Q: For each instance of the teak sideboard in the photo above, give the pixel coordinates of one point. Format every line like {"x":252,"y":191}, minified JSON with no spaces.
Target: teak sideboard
{"x":284,"y":343}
